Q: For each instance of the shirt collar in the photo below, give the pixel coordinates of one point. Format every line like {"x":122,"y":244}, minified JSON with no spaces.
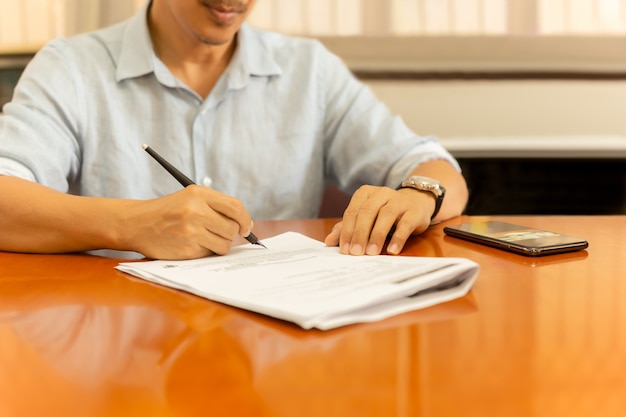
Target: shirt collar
{"x":252,"y":58}
{"x":137,"y":53}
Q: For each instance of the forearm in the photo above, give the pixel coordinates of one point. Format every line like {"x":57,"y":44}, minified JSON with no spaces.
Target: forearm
{"x":34,"y":218}
{"x":454,"y":183}
{"x":191,"y":223}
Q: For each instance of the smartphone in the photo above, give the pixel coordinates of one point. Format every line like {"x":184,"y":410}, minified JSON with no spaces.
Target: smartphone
{"x":515,"y":238}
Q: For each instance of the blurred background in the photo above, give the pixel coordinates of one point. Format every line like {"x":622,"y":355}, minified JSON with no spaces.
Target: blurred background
{"x":529,"y":95}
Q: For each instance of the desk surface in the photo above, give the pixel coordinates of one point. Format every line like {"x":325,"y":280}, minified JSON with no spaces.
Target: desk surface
{"x":543,"y":337}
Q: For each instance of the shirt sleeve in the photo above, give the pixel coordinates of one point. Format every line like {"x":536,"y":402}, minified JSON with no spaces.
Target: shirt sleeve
{"x":38,"y":128}
{"x":366,"y":143}
{"x":13,"y":168}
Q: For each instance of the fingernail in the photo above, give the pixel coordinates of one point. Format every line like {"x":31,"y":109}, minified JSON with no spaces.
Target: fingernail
{"x":372,"y":249}
{"x":356,"y":250}
{"x":393,"y":249}
{"x":345,"y":248}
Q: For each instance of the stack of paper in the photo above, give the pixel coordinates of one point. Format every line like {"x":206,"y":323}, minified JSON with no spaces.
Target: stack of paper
{"x":301,"y":280}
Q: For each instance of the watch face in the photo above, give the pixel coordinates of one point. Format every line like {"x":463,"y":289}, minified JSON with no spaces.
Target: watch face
{"x":424,"y":183}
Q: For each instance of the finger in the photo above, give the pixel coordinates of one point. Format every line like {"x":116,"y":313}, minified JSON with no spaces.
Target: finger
{"x":405,"y":227}
{"x":210,"y":233}
{"x":349,"y":219}
{"x":215,"y":243}
{"x":229,"y":207}
{"x":218,"y":236}
{"x":380,"y":232}
{"x":374,"y":210}
{"x":208,"y":226}
{"x":353,"y":238}
{"x":333,"y":237}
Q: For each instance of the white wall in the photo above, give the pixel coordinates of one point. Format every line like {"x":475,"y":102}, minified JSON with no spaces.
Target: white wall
{"x":508,"y":108}
{"x":568,"y":112}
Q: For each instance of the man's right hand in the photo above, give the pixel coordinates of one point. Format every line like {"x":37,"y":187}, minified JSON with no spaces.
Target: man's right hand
{"x":191,"y":223}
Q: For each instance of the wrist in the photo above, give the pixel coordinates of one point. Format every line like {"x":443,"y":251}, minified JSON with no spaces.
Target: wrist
{"x":426,"y":185}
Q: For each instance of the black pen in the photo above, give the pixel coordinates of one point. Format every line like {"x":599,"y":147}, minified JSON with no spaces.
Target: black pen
{"x":185,"y":181}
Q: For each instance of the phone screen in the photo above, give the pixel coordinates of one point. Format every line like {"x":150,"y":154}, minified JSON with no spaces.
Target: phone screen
{"x":516,"y":238}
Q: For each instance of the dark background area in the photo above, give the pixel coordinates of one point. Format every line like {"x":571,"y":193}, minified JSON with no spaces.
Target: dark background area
{"x":545,"y":186}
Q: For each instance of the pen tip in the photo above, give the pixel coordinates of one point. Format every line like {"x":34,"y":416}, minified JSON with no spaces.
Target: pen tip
{"x":144,"y":146}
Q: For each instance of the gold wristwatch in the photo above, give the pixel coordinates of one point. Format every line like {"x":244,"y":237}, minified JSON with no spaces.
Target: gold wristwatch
{"x":426,"y":184}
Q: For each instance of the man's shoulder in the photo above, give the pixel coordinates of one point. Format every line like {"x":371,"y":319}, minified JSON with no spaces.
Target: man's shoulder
{"x":89,"y":46}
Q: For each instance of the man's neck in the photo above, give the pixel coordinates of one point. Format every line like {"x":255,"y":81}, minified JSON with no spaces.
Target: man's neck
{"x":199,"y":65}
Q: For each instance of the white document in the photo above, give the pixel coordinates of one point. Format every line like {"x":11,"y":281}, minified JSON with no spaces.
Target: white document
{"x":301,"y":280}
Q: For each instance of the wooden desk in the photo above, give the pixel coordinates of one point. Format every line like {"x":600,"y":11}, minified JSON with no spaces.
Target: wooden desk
{"x":544,"y":337}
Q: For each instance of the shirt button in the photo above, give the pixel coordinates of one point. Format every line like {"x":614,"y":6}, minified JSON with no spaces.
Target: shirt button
{"x":207,"y":181}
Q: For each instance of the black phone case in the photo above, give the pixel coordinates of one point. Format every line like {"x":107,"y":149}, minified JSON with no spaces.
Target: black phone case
{"x":554,"y":243}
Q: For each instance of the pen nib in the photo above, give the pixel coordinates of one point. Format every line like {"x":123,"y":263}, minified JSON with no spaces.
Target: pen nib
{"x":254,"y":240}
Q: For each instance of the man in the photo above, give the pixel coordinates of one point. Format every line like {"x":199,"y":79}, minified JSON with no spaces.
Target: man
{"x":265,"y":120}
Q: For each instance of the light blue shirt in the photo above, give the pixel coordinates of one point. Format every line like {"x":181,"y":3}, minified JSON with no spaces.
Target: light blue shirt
{"x":285,"y":119}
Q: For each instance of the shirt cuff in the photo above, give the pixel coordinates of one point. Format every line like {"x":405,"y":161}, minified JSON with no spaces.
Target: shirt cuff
{"x":13,"y":168}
